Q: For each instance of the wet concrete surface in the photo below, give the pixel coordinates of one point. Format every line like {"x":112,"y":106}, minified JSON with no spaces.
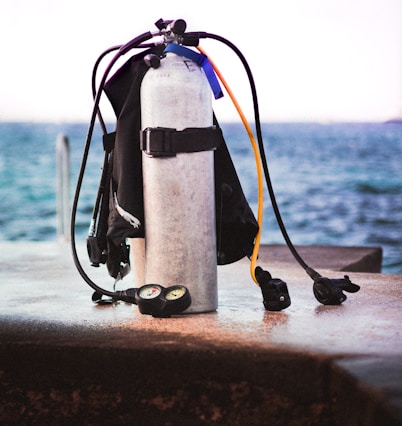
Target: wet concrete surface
{"x":63,"y":358}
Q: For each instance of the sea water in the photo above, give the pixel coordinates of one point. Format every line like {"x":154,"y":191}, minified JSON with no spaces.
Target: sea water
{"x":335,"y":184}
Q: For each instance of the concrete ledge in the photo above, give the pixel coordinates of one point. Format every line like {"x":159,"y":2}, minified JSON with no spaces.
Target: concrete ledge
{"x":348,"y":259}
{"x":64,"y":360}
{"x":162,"y":385}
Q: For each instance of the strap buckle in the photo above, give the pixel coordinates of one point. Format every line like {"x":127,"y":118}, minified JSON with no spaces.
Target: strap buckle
{"x":157,"y":141}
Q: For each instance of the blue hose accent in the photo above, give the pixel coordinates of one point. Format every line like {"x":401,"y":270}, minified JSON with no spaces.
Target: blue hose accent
{"x":202,"y":61}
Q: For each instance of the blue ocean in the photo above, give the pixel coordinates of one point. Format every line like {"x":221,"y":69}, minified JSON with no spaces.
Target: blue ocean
{"x":335,"y":184}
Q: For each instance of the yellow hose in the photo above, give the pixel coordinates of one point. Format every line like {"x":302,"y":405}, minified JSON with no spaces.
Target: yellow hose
{"x":254,"y":145}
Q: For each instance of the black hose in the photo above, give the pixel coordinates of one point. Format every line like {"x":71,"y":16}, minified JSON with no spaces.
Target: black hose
{"x":313,"y":274}
{"x":136,"y":42}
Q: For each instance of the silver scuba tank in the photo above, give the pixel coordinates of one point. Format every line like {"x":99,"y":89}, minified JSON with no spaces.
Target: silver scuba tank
{"x":179,"y":196}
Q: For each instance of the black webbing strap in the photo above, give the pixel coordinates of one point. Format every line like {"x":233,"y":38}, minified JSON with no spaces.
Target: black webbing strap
{"x":167,"y":142}
{"x":108,"y":141}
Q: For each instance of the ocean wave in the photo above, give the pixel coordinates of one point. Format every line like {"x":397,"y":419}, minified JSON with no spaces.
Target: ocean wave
{"x":335,"y":184}
{"x":385,"y":188}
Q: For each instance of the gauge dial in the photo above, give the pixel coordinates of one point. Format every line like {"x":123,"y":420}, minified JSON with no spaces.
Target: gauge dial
{"x":175,"y":293}
{"x":149,"y":291}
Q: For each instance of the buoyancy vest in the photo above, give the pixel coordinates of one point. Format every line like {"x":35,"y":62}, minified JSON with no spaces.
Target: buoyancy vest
{"x":236,"y":226}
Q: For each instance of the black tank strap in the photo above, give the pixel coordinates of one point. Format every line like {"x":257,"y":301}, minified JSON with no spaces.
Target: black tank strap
{"x":167,"y":142}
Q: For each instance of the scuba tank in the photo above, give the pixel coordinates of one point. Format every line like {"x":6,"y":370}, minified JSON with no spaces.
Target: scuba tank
{"x":169,"y":189}
{"x":179,"y":198}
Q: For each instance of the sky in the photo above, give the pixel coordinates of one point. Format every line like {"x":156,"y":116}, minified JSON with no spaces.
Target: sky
{"x":312,"y":60}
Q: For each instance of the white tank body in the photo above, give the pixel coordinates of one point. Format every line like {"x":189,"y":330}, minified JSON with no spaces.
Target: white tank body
{"x":179,"y":198}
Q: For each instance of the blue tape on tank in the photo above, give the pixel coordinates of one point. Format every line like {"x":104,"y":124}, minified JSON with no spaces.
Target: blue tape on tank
{"x":202,"y":61}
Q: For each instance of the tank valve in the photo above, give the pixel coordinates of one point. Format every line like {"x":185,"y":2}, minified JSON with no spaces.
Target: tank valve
{"x":152,"y":60}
